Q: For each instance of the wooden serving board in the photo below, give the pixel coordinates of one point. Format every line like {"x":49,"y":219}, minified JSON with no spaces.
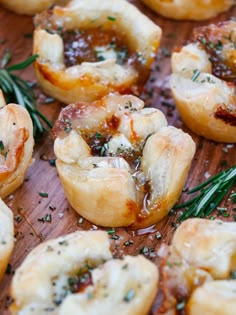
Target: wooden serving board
{"x":29,"y":207}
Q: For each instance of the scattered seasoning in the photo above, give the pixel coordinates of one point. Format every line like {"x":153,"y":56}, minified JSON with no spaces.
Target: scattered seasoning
{"x":18,"y":218}
{"x":28,"y":35}
{"x":63,"y":242}
{"x":112,"y":231}
{"x":111,"y":18}
{"x":195,"y":75}
{"x":81,"y":220}
{"x":165,"y":52}
{"x":233,"y":274}
{"x":115,"y":237}
{"x":125,"y":266}
{"x":43,"y":194}
{"x":52,"y":162}
{"x":9,"y":269}
{"x":180,"y":305}
{"x":129,"y":296}
{"x":90,"y":295}
{"x":1,"y":145}
{"x":144,"y":250}
{"x":158,"y":236}
{"x":128,"y":243}
{"x":49,"y":100}
{"x":52,"y":208}
{"x":98,"y":135}
{"x":46,"y":218}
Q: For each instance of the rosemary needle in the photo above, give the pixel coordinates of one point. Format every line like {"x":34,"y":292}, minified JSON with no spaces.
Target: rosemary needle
{"x":210,"y":194}
{"x":17,"y":90}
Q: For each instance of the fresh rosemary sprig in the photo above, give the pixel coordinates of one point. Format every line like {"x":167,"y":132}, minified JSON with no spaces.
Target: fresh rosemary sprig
{"x":17,"y":90}
{"x":211,"y":193}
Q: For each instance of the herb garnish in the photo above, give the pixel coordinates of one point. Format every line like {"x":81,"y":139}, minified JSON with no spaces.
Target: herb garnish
{"x":195,"y":75}
{"x":17,"y":90}
{"x":111,"y":18}
{"x":211,"y":193}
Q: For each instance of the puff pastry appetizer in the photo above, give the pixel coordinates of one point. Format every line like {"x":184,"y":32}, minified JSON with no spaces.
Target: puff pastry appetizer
{"x":16,"y":146}
{"x":30,"y":7}
{"x":75,"y":274}
{"x":119,"y":163}
{"x":197,"y":268}
{"x":90,"y":48}
{"x":203,"y":82}
{"x":6,"y":236}
{"x":189,"y":10}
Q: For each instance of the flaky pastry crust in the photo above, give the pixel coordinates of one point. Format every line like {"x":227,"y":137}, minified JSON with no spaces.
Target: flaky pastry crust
{"x":6,"y":236}
{"x":115,"y":68}
{"x":119,"y":163}
{"x":30,"y":7}
{"x":189,"y":10}
{"x":197,"y":266}
{"x":76,"y":274}
{"x":204,"y":90}
{"x":16,"y":139}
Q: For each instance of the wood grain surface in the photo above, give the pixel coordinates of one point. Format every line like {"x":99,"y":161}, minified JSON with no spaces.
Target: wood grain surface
{"x":29,"y":207}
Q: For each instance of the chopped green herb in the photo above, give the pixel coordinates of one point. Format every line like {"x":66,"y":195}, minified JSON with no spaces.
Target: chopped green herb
{"x":233,"y":274}
{"x":43,"y":194}
{"x":144,"y":250}
{"x":112,"y":231}
{"x":1,"y":145}
{"x":115,"y":237}
{"x":49,"y":100}
{"x":48,"y":218}
{"x":158,"y":236}
{"x":9,"y":269}
{"x":128,"y":243}
{"x":111,"y":18}
{"x":129,"y":296}
{"x":180,"y":305}
{"x":195,"y":75}
{"x":98,"y":135}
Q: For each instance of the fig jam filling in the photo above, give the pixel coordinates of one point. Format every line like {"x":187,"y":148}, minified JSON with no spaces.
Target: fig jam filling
{"x":219,"y":42}
{"x":97,"y":44}
{"x":93,"y":45}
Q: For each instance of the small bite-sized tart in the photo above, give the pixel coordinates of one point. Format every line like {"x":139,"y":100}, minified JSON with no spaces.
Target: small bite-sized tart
{"x":198,"y":269}
{"x":91,"y":47}
{"x":76,"y":274}
{"x":203,"y":82}
{"x":189,"y":9}
{"x":30,"y":7}
{"x":6,"y":236}
{"x":16,"y":146}
{"x":119,"y":163}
